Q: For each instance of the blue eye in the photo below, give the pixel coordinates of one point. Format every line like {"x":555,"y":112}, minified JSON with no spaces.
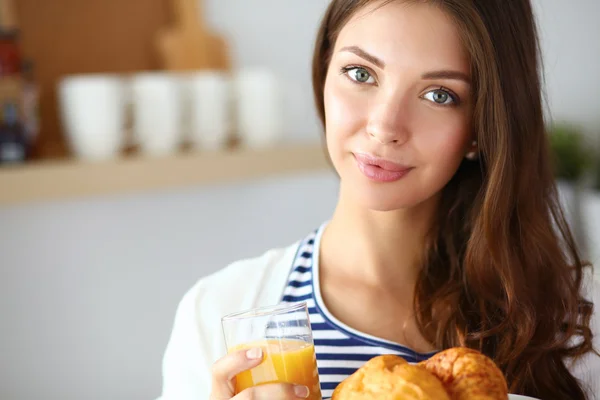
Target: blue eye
{"x":441,"y":97}
{"x":359,"y":75}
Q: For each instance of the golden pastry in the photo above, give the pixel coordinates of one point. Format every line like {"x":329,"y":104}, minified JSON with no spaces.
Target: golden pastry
{"x":390,"y":378}
{"x":468,"y":375}
{"x":454,"y":374}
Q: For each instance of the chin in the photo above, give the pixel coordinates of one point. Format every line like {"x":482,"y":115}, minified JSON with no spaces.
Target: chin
{"x":384,"y":197}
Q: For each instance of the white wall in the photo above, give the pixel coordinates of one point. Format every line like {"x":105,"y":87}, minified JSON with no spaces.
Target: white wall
{"x":88,"y":288}
{"x":569,"y":33}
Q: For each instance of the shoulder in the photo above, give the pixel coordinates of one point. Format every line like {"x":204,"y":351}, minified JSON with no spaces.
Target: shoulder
{"x":591,"y":292}
{"x":246,"y":281}
{"x":196,"y":340}
{"x":587,"y":368}
{"x":244,"y":284}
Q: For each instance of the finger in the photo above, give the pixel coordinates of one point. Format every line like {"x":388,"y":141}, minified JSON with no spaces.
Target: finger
{"x":228,"y":367}
{"x":279,"y":391}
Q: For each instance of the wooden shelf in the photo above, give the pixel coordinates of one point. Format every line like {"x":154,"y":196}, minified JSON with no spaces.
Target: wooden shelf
{"x":56,"y":180}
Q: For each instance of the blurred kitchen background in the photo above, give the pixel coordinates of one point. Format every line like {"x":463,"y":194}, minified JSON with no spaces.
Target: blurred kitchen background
{"x":147,"y":143}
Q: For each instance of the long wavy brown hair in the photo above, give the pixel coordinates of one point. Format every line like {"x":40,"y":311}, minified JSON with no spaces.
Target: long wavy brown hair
{"x":502,"y":272}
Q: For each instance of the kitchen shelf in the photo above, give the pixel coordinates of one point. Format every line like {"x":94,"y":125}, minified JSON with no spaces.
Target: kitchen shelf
{"x":69,"y":179}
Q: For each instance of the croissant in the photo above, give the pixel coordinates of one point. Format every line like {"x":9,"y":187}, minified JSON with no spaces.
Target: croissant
{"x":454,"y":374}
{"x":468,"y":375}
{"x":390,"y":378}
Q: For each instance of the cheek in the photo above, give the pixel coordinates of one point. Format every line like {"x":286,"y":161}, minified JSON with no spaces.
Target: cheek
{"x":443,"y":139}
{"x":345,"y":111}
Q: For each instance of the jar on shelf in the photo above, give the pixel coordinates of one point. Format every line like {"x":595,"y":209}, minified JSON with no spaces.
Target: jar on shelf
{"x":13,"y":143}
{"x":10,"y":54}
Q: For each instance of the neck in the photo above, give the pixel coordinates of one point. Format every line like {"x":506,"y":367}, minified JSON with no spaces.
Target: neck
{"x":381,"y":248}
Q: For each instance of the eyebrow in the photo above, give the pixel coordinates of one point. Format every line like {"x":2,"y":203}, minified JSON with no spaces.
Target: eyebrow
{"x":442,"y":74}
{"x":363,"y":54}
{"x":447,"y":74}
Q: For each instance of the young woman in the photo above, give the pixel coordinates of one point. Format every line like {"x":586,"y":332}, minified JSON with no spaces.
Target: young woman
{"x":447,"y":232}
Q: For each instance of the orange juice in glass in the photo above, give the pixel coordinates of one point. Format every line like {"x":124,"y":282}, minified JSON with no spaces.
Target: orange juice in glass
{"x":284,"y":334}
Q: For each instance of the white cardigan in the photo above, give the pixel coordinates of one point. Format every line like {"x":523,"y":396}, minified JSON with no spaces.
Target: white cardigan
{"x":197,"y":338}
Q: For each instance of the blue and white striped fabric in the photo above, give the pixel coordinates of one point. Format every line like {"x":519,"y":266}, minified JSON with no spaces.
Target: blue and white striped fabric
{"x":340,"y":349}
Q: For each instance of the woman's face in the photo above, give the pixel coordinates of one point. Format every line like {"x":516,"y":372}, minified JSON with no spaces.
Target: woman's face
{"x":398,"y":105}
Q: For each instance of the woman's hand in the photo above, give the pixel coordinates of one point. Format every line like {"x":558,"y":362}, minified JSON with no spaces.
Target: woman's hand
{"x":225,"y":370}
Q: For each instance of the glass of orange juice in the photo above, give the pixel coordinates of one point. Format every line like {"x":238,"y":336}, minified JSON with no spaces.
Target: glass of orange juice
{"x":283,"y":333}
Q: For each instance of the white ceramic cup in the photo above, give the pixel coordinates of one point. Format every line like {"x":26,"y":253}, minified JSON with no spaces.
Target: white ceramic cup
{"x":157,"y":111}
{"x":258,"y":111}
{"x":209,"y":109}
{"x":92,"y":109}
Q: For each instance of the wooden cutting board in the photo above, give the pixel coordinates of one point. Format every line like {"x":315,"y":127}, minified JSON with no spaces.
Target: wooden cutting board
{"x":65,"y":37}
{"x":189,"y":44}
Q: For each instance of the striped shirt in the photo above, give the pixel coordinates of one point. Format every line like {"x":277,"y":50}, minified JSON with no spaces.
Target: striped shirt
{"x":340,"y":349}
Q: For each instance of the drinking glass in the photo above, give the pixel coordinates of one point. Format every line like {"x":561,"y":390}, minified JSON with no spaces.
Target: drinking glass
{"x":284,"y":334}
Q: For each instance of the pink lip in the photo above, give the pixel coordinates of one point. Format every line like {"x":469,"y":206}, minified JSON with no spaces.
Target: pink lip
{"x":380,"y":170}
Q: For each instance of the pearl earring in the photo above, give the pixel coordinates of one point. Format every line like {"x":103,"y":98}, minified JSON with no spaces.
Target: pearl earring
{"x":472,"y":155}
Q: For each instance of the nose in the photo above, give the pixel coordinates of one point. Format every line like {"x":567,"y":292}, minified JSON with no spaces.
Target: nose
{"x":388,"y":121}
